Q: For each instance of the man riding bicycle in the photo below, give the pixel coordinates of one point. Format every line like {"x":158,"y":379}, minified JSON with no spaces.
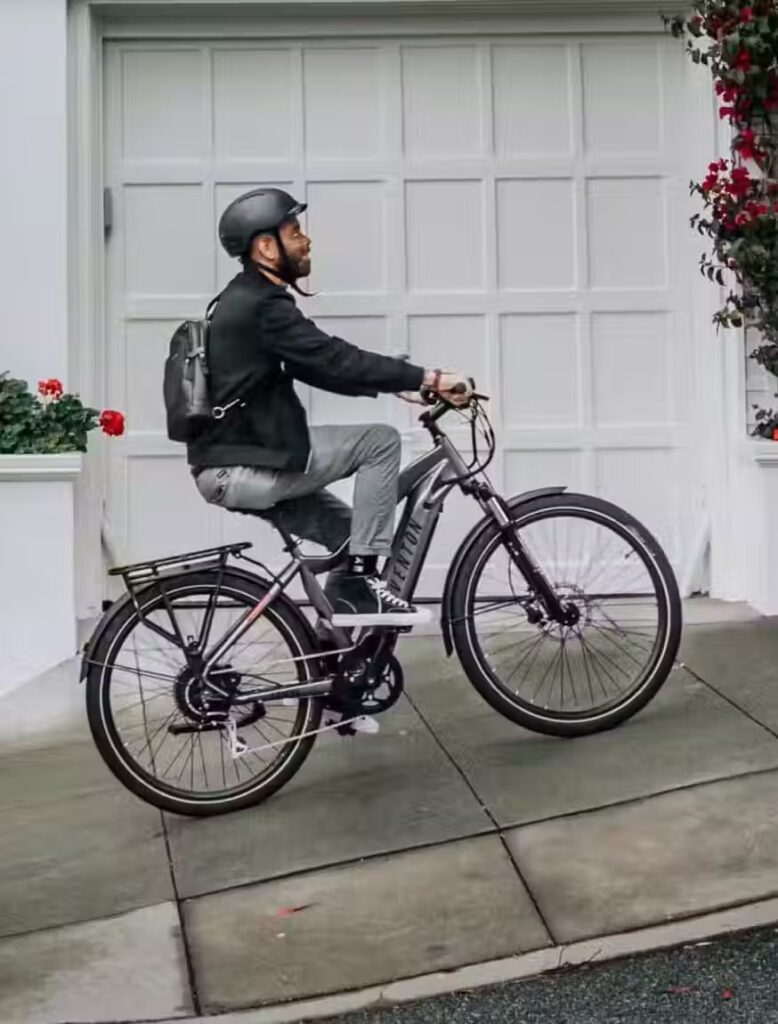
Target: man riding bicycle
{"x":263,"y":454}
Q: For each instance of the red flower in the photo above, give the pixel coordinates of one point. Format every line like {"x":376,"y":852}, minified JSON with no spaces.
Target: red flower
{"x":746,"y":145}
{"x":112,"y":422}
{"x":746,"y":15}
{"x":51,"y":387}
{"x":743,"y":60}
{"x":740,"y":184}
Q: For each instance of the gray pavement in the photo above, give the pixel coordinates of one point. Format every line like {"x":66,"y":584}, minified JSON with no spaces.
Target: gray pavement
{"x":450,"y":839}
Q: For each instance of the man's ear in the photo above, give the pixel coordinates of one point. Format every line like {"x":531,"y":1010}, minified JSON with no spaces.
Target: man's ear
{"x":264,"y":249}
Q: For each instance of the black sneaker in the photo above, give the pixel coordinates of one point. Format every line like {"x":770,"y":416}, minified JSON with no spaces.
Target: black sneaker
{"x":367,"y":601}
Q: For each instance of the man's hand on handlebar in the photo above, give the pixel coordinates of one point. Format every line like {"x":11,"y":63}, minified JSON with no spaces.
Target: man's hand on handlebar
{"x":450,"y":385}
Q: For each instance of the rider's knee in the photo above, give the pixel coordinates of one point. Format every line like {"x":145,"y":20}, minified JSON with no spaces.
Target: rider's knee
{"x":385,"y":438}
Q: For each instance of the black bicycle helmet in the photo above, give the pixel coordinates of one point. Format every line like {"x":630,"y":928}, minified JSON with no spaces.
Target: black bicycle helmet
{"x":262,"y":209}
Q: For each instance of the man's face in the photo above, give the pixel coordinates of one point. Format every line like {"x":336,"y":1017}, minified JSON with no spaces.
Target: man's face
{"x":298,"y":247}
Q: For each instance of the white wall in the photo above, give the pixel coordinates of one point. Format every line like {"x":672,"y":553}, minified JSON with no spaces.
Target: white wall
{"x":33,"y":189}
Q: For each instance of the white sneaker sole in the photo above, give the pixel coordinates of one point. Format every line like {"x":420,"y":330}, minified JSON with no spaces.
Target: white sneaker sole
{"x":417,"y":618}
{"x":364,"y":725}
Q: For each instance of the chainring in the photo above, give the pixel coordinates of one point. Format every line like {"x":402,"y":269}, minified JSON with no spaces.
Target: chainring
{"x":385,"y":691}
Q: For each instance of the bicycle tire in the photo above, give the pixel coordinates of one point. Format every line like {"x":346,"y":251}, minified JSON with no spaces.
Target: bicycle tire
{"x":483,"y":677}
{"x":283,"y":616}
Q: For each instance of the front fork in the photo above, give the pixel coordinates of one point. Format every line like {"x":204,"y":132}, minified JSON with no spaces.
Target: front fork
{"x":556,"y":610}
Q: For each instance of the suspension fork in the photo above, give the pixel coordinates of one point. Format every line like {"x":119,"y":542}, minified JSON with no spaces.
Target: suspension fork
{"x":525,"y":563}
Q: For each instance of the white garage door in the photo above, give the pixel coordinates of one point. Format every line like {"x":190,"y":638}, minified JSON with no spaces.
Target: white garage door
{"x":510,"y":206}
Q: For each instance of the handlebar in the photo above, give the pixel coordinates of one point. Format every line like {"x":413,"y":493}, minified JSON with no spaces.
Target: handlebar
{"x":432,"y":397}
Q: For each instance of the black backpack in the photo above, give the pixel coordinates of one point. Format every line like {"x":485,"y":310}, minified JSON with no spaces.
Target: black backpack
{"x":187,"y":392}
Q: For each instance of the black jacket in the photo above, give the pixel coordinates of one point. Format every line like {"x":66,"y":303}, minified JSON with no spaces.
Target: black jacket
{"x":260,"y":343}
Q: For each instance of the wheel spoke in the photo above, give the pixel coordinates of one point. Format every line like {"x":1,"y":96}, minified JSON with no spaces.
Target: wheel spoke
{"x":150,"y":684}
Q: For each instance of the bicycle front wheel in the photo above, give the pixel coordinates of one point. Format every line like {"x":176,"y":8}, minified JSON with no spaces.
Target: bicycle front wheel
{"x":156,"y":726}
{"x":603,"y":667}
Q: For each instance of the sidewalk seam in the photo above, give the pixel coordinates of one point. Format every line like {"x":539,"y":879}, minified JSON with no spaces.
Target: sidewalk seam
{"x":725,"y":697}
{"x":490,"y":816}
{"x":190,"y":971}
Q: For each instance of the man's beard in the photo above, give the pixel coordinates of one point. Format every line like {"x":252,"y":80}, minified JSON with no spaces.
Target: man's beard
{"x":299,"y":266}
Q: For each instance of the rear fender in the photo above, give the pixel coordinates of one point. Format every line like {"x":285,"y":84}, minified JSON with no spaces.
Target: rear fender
{"x":480,"y":527}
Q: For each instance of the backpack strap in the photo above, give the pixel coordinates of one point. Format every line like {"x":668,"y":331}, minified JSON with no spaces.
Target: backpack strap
{"x":212,"y":306}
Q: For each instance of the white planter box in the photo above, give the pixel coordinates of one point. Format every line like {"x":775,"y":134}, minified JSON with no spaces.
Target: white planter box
{"x":37,"y":606}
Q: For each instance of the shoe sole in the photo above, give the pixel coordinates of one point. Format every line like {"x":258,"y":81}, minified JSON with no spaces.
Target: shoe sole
{"x":418,"y":617}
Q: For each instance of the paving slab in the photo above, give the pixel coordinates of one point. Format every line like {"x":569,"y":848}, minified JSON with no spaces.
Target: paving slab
{"x":128,"y":967}
{"x":686,"y":735}
{"x":355,"y":797}
{"x":655,"y":860}
{"x":741,"y":661}
{"x":388,"y":918}
{"x":74,"y":844}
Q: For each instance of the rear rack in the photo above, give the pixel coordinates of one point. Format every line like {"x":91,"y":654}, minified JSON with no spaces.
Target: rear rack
{"x":145,"y":572}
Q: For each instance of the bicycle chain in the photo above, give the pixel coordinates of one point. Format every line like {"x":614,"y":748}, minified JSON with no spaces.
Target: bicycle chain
{"x":238,"y":746}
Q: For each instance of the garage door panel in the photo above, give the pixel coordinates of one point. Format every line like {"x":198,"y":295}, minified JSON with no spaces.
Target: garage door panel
{"x":175,"y":260}
{"x":347,"y":222}
{"x":540,"y":370}
{"x":253,"y":103}
{"x":165,"y":511}
{"x":536,"y":234}
{"x":532,"y":99}
{"x":632,"y":369}
{"x":460,"y":342}
{"x":527,"y":470}
{"x":160,"y":131}
{"x":636,"y":480}
{"x":445,"y":234}
{"x":346,"y":103}
{"x":145,"y":354}
{"x":627,"y":118}
{"x":619,"y":211}
{"x":443,"y":101}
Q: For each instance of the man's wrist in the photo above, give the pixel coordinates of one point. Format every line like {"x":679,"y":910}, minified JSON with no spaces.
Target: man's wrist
{"x":431,"y":378}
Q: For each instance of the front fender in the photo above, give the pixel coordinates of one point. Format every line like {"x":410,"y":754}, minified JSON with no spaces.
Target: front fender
{"x":464,"y":547}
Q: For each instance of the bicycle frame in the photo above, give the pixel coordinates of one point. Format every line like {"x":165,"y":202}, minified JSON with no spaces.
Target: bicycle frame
{"x":424,"y":485}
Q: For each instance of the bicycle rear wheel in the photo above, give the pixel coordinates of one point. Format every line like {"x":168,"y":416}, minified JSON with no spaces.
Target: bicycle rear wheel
{"x":605,"y":666}
{"x":145,"y":704}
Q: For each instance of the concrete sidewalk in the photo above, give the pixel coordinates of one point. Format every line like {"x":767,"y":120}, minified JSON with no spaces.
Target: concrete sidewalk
{"x":450,"y":839}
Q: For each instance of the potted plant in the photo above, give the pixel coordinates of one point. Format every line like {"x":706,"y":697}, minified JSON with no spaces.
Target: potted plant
{"x":42,"y":438}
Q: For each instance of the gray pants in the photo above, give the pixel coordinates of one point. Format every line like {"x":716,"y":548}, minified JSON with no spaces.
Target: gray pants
{"x":306,"y":508}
